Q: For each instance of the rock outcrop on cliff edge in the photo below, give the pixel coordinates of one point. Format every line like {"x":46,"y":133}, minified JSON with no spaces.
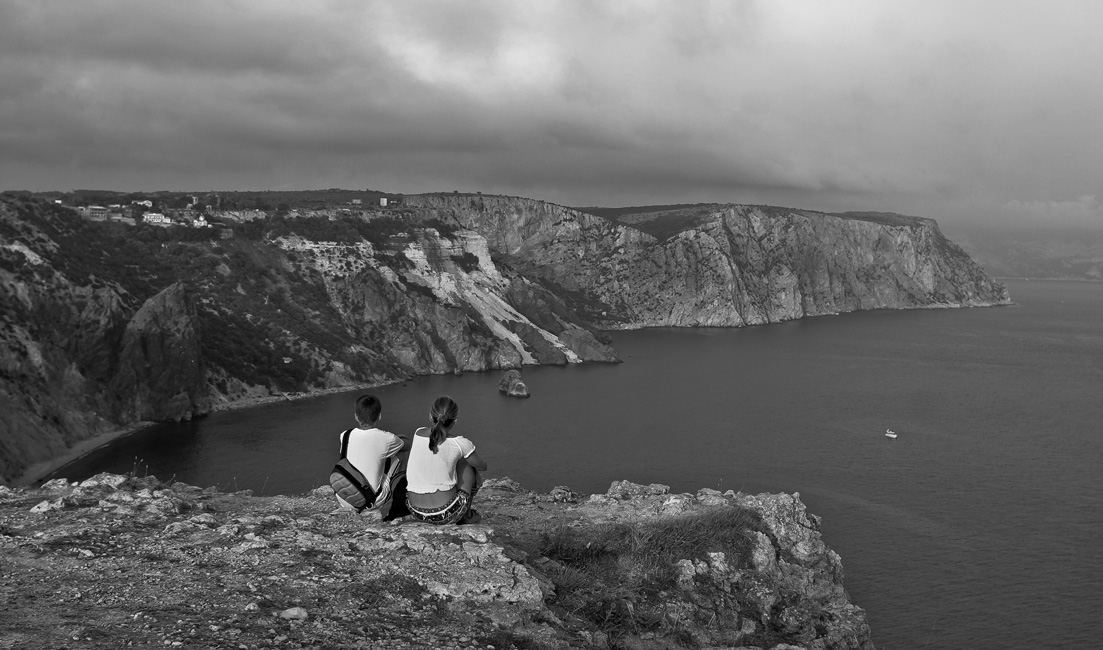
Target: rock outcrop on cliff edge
{"x":98,"y":564}
{"x":160,"y":374}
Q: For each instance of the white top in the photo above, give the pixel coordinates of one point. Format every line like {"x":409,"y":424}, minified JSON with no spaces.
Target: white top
{"x":369,"y":450}
{"x":427,"y":472}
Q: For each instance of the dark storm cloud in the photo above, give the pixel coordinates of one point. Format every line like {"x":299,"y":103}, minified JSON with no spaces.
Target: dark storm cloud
{"x":980,"y":109}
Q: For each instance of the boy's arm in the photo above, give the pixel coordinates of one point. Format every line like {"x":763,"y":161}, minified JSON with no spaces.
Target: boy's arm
{"x":399,"y":444}
{"x":407,"y":443}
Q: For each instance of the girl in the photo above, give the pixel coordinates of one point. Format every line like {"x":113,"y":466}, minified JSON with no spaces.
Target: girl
{"x":442,"y":473}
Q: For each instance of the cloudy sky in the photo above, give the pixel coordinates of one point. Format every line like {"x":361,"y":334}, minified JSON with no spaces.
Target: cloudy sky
{"x":962,"y":110}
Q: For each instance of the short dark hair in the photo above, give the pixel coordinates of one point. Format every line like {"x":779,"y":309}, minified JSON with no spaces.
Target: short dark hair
{"x":368,"y":408}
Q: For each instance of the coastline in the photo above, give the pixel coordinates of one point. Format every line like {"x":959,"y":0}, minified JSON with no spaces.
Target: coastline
{"x":260,"y":400}
{"x":36,"y":472}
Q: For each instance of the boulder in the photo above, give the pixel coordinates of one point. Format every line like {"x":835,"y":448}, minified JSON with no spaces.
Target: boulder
{"x":512,"y":385}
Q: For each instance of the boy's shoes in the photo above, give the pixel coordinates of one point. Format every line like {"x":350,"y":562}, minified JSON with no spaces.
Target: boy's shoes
{"x":472,"y":517}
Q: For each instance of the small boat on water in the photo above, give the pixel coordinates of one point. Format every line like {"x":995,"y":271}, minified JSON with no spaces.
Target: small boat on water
{"x":889,"y":433}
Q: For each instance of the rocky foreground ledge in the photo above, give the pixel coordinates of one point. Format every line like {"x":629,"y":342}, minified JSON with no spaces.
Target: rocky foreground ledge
{"x":118,"y":561}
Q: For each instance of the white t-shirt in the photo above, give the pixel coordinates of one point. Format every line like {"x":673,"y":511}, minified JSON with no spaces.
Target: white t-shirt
{"x":428,"y":472}
{"x":369,"y":450}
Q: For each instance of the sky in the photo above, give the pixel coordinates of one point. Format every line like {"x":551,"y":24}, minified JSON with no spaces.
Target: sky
{"x":968,"y":111}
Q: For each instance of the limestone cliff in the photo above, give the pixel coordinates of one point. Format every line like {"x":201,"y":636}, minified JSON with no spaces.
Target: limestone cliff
{"x":635,"y":568}
{"x":724,"y":265}
{"x":107,"y":325}
{"x":445,"y":306}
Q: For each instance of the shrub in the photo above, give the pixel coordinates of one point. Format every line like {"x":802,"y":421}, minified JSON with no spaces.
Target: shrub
{"x":469,"y":262}
{"x":614,"y":574}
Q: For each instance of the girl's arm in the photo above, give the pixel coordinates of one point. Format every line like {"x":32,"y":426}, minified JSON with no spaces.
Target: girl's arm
{"x":475,"y":462}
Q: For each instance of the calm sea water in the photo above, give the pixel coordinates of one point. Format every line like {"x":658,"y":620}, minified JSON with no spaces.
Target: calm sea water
{"x":979,"y":526}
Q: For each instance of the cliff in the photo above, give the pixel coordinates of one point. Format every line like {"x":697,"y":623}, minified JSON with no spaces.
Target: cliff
{"x":76,"y":360}
{"x":724,"y":265}
{"x":106,"y":325}
{"x":120,"y":561}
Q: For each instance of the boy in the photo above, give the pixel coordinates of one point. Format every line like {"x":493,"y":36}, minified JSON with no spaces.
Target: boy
{"x":375,"y":453}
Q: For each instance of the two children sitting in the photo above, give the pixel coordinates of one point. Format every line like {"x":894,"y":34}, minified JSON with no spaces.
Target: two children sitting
{"x":433,"y":476}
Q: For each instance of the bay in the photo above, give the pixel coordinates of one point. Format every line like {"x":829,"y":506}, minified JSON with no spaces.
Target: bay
{"x":978,"y":526}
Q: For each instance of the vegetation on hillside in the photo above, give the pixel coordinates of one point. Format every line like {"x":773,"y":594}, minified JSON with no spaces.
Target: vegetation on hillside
{"x":883,"y":218}
{"x":619,"y":576}
{"x":663,"y":221}
{"x":265,"y":319}
{"x":340,"y":229}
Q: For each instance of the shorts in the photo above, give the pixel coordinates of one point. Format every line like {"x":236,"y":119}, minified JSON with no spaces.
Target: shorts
{"x":451,"y":513}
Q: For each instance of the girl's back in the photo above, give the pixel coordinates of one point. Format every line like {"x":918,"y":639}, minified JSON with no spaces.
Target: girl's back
{"x":432,"y":472}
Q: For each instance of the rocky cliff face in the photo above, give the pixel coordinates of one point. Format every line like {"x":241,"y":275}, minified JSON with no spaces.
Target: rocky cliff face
{"x":105,"y":326}
{"x":542,"y":571}
{"x":440,"y":304}
{"x":725,"y":265}
{"x":77,"y":359}
{"x":161,"y":375}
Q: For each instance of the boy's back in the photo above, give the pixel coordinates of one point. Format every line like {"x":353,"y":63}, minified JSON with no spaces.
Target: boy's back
{"x":369,"y":449}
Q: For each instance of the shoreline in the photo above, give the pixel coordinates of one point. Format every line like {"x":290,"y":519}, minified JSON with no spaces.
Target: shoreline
{"x":38,"y":471}
{"x":260,"y":400}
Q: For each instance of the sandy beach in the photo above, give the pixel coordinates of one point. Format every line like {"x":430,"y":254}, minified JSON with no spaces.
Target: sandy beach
{"x":36,"y":472}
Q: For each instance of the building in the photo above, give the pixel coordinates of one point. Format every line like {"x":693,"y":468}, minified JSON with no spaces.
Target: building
{"x":357,"y":202}
{"x":383,"y":201}
{"x":157,"y":219}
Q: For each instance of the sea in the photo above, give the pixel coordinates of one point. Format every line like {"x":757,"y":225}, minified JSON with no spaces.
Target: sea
{"x":979,"y":526}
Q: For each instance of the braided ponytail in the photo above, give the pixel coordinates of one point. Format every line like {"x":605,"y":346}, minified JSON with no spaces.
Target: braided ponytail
{"x":443,"y":416}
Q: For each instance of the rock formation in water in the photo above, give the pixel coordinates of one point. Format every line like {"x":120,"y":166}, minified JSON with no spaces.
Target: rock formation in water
{"x":512,"y":384}
{"x":636,"y":568}
{"x":107,"y":325}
